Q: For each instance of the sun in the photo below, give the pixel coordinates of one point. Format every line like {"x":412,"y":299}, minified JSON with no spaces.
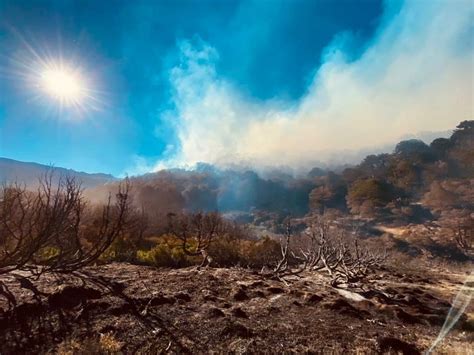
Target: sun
{"x":64,"y":85}
{"x":60,"y":79}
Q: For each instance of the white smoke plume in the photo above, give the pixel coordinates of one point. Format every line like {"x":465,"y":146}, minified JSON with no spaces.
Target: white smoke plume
{"x":415,"y":74}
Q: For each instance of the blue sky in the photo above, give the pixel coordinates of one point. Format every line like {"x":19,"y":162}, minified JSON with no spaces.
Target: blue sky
{"x":182,"y":81}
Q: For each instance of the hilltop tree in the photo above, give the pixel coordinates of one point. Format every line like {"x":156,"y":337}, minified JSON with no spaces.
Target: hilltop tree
{"x":368,"y":195}
{"x":441,"y":147}
{"x":316,"y":172}
{"x":375,"y":166}
{"x":404,"y":174}
{"x":462,"y":152}
{"x":464,"y":132}
{"x":330,"y":193}
{"x":412,"y":148}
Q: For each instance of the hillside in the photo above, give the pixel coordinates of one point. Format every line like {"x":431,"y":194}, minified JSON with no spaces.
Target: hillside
{"x":416,"y":183}
{"x":28,"y":173}
{"x":386,"y":186}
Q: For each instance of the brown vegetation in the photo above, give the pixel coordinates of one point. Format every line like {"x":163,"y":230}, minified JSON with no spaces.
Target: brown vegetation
{"x":53,"y":228}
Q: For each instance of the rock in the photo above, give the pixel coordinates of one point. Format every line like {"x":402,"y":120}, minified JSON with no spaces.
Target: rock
{"x":275,"y":290}
{"x":208,"y":295}
{"x":297,"y":293}
{"x":257,"y":284}
{"x":345,"y":308}
{"x":72,"y":296}
{"x":183,"y":296}
{"x":214,"y":312}
{"x":240,"y":295}
{"x":239,"y":312}
{"x":236,"y":330}
{"x":273,"y":309}
{"x":241,"y":346}
{"x":119,"y":307}
{"x":389,"y":344}
{"x":429,"y":296}
{"x":366,"y":305}
{"x":312,"y":298}
{"x":435,"y":319}
{"x":405,"y":317}
{"x":161,"y":299}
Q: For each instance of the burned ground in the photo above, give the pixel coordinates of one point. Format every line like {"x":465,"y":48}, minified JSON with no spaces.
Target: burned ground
{"x":123,"y":308}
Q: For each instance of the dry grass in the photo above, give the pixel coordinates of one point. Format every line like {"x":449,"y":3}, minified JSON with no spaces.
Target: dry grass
{"x":449,"y":346}
{"x":109,"y":343}
{"x":106,"y":344}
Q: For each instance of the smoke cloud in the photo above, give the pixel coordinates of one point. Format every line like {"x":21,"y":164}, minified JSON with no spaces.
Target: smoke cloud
{"x":415,"y":74}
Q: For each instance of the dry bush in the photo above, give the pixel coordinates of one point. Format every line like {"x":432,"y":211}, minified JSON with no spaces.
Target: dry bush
{"x":197,"y":231}
{"x":109,"y":343}
{"x":255,"y":254}
{"x":105,"y":344}
{"x":53,"y":228}
{"x":133,"y":237}
{"x":327,"y":247}
{"x":262,"y":253}
{"x":460,"y":226}
{"x":226,"y":251}
{"x":332,"y":249}
{"x":284,"y":266}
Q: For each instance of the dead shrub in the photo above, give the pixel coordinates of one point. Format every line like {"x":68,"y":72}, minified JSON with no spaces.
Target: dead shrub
{"x":53,"y":228}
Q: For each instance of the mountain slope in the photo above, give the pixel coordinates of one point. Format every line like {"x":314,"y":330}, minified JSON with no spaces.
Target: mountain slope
{"x":28,"y":173}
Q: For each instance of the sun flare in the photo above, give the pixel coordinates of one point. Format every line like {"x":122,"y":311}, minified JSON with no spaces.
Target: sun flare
{"x":63,"y":85}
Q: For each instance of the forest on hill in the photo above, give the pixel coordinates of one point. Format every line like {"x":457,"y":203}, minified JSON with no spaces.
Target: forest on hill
{"x":415,"y":182}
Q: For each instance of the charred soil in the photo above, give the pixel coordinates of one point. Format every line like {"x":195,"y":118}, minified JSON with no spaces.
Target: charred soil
{"x":124,"y":308}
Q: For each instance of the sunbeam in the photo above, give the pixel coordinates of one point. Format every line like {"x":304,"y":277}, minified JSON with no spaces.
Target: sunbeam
{"x":61,"y":84}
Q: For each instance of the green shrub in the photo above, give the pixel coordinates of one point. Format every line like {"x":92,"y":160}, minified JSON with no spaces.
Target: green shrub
{"x":146,"y":257}
{"x":46,"y":254}
{"x":167,"y":252}
{"x":264,"y":252}
{"x":226,"y":252}
{"x":122,"y":250}
{"x":115,"y":252}
{"x":367,"y":195}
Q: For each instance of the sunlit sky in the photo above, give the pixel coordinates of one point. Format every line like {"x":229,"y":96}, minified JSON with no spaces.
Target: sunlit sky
{"x":156,"y":83}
